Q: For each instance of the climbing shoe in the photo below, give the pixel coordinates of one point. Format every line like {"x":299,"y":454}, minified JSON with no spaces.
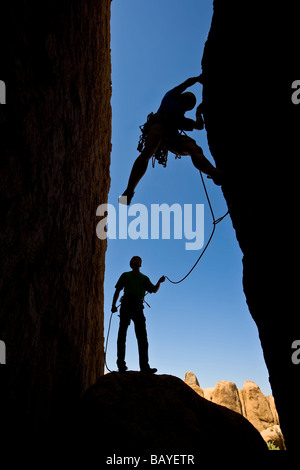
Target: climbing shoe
{"x":122,"y":369}
{"x":148,"y":370}
{"x":126,"y":197}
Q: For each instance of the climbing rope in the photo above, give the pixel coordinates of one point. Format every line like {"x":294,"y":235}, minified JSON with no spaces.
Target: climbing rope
{"x":215,"y":222}
{"x":105,"y":350}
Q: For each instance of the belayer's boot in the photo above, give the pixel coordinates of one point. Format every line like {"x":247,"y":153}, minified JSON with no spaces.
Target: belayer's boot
{"x":126,"y":197}
{"x":148,"y":370}
{"x":121,"y":366}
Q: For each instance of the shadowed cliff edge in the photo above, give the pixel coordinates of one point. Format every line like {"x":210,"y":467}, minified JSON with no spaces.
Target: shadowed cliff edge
{"x":252,"y":128}
{"x":140,"y":413}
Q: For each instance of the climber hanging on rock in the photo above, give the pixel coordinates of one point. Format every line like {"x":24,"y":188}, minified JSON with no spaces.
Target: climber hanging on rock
{"x":161,"y":134}
{"x":135,"y":285}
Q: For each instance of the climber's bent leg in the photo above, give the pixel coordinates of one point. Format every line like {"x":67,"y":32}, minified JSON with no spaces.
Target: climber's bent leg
{"x":185,"y":145}
{"x":140,"y":165}
{"x":202,"y":164}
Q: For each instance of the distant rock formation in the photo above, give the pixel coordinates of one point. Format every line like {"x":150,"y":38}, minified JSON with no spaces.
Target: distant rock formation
{"x":159,"y":412}
{"x":250,"y":402}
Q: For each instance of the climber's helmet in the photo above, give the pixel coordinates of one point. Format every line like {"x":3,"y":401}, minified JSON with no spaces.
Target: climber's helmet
{"x":188,"y":100}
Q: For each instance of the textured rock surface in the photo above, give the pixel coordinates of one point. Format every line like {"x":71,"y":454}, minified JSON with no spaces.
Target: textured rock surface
{"x":55,"y":156}
{"x":226,"y":394}
{"x":159,"y":412}
{"x":257,"y":408}
{"x":273,"y":434}
{"x":271,"y":401}
{"x":253,"y":127}
{"x":191,"y":380}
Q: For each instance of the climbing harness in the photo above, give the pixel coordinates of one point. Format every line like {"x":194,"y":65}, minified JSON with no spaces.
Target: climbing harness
{"x":215,"y":222}
{"x":161,"y":154}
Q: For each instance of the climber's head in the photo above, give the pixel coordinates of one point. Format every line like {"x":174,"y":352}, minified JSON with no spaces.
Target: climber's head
{"x":188,"y":100}
{"x":135,"y":262}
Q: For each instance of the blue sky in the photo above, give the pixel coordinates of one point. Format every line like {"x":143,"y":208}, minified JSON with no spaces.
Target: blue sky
{"x":202,"y":324}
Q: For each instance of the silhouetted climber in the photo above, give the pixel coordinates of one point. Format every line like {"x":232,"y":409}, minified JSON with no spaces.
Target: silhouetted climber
{"x":135,"y":285}
{"x":161,"y":133}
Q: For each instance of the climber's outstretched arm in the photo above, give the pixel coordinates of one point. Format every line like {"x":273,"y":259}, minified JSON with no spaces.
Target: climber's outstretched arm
{"x":188,"y":83}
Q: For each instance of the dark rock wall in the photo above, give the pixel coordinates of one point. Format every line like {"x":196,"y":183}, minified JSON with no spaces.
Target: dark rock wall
{"x":55,"y":156}
{"x":249,"y":64}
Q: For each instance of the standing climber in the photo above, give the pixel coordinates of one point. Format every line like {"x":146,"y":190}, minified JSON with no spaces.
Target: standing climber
{"x":135,"y":285}
{"x":161,"y":133}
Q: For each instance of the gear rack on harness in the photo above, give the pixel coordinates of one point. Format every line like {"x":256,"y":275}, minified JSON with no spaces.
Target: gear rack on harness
{"x":161,"y":154}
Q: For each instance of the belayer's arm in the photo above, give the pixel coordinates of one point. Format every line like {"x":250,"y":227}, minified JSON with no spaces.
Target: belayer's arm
{"x":162,"y":279}
{"x":115,"y":299}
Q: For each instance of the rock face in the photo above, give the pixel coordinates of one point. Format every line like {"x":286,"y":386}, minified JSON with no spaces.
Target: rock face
{"x":158,"y":413}
{"x":273,"y":434}
{"x":55,"y":157}
{"x":249,"y":402}
{"x":252,"y":128}
{"x":191,"y":380}
{"x":226,"y":394}
{"x":257,"y":407}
